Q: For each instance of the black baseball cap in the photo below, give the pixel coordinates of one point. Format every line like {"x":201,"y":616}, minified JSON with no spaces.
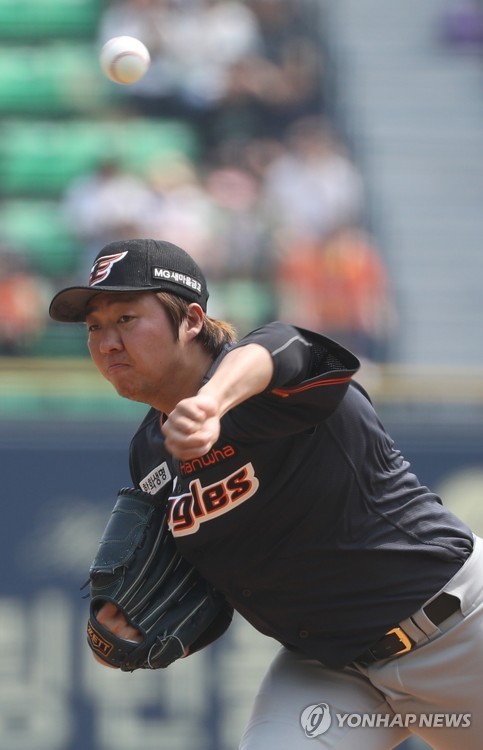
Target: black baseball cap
{"x":134,"y":266}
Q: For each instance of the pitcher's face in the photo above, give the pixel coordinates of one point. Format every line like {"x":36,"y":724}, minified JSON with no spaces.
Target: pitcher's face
{"x":132,"y":344}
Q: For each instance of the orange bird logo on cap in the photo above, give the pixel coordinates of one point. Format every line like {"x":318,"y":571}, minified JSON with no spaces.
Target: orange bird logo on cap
{"x":103,"y":266}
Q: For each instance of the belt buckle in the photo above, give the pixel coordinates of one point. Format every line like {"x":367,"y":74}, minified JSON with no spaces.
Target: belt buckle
{"x":403,"y":638}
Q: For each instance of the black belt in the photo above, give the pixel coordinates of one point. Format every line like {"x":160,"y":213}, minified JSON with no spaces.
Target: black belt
{"x":396,"y":642}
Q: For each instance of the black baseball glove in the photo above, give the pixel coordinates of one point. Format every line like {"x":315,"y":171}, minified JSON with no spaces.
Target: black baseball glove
{"x":139,"y":570}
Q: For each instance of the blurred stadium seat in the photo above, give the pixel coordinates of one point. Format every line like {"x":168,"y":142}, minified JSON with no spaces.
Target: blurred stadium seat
{"x":34,"y":19}
{"x":41,"y":158}
{"x":56,"y":340}
{"x":247,"y":302}
{"x":40,"y":230}
{"x":52,"y":79}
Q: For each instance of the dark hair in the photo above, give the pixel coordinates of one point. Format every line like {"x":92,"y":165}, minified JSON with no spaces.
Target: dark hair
{"x":214,"y":335}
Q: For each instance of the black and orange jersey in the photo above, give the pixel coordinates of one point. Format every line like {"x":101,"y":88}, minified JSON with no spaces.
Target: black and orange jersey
{"x":304,"y":513}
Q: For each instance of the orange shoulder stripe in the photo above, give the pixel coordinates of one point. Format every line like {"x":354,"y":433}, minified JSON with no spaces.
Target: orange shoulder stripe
{"x":284,"y":392}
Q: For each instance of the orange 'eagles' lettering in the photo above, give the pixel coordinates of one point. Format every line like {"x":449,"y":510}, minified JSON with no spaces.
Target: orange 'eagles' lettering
{"x":201,"y":504}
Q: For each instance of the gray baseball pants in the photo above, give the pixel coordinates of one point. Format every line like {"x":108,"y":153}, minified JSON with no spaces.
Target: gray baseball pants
{"x":434,"y":691}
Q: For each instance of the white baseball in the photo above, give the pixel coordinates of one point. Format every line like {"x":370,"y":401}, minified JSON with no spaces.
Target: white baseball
{"x":124,"y":59}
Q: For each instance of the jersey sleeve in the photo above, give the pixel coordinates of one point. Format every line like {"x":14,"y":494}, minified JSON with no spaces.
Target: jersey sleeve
{"x":311,"y":376}
{"x":300,"y":355}
{"x":289,"y":350}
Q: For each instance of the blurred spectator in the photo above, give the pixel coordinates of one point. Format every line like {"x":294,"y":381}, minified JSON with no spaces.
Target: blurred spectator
{"x":215,"y":213}
{"x":260,"y":153}
{"x":278,"y":82}
{"x":312,"y":187}
{"x":338,"y":285}
{"x":205,"y":41}
{"x":182,"y":211}
{"x":245,"y":293}
{"x":192,"y":46}
{"x":239,"y":226}
{"x":227,"y":66}
{"x":23,"y":299}
{"x":329,"y":274}
{"x":106,"y":204}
